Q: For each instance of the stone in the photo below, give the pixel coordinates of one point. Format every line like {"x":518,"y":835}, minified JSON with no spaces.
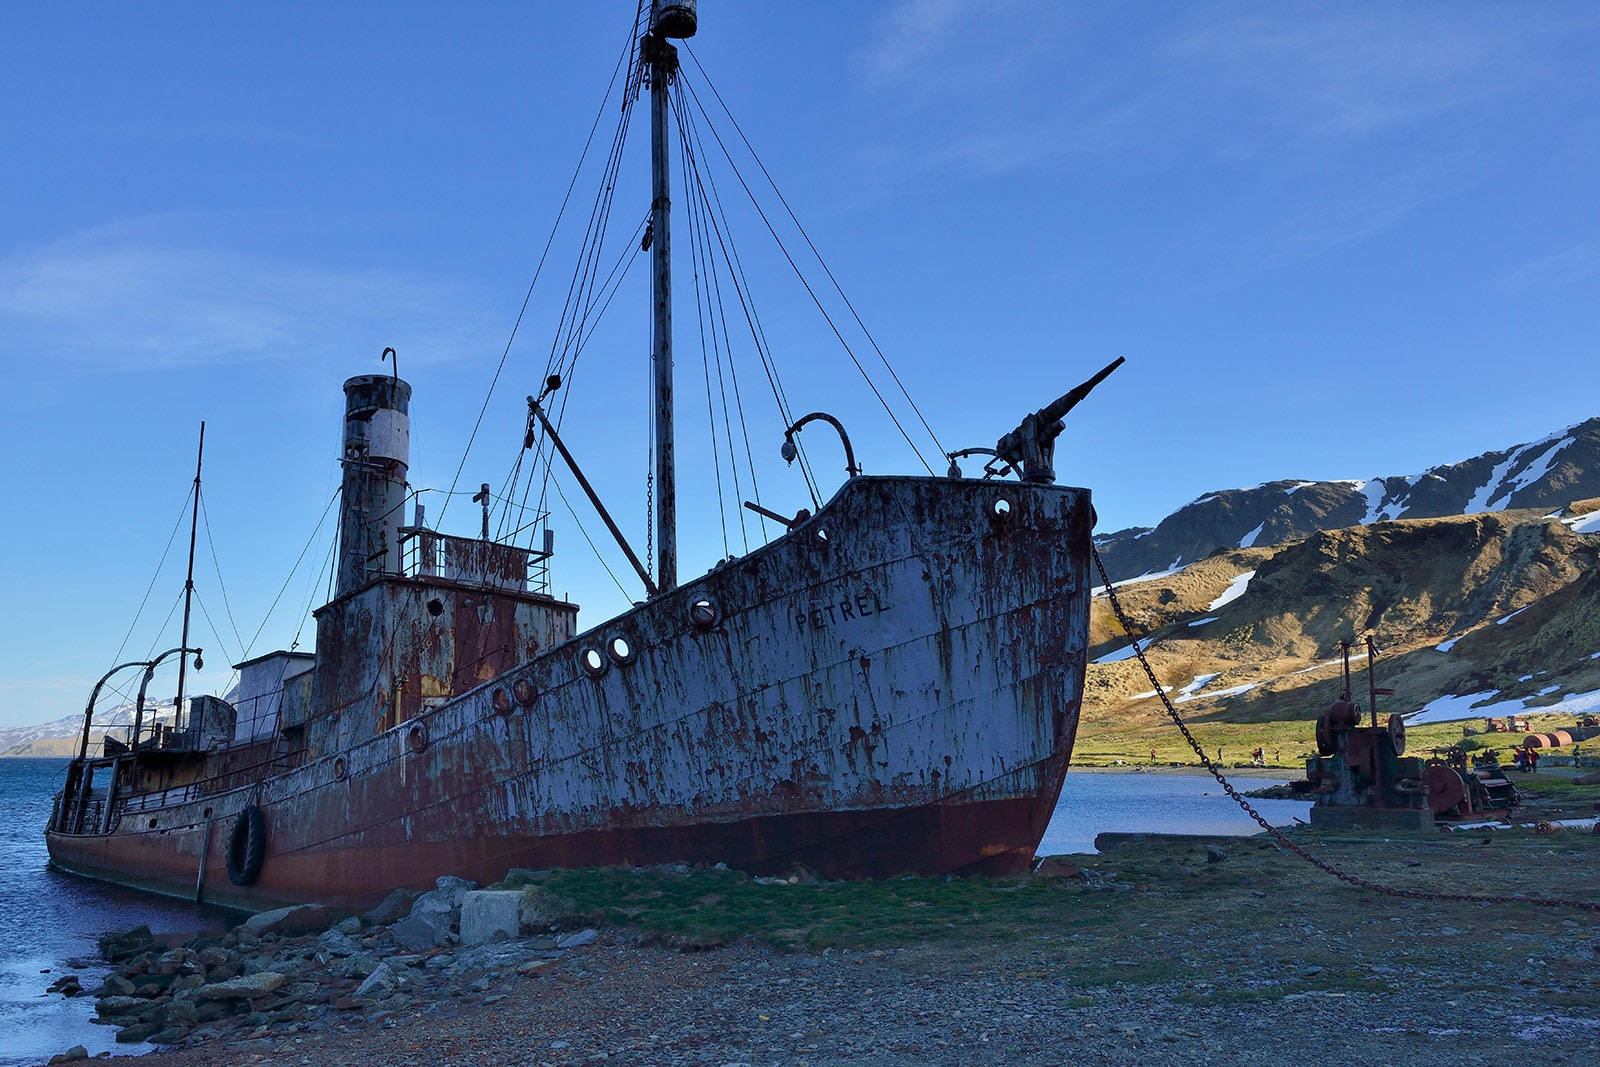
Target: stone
{"x":579,"y":939}
{"x":535,"y":966}
{"x":76,"y":1052}
{"x":130,"y":1035}
{"x":121,"y":1005}
{"x":169,"y":1036}
{"x":1215,"y":854}
{"x":380,"y":983}
{"x":242,"y":988}
{"x":349,"y":926}
{"x":352,"y":1003}
{"x":486,"y":913}
{"x":302,"y":918}
{"x":1056,"y":867}
{"x":337,"y":943}
{"x":116,"y":986}
{"x":395,"y":906}
{"x":418,"y":932}
{"x":358,"y":966}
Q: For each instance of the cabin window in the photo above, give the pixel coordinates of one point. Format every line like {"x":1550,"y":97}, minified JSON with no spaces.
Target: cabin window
{"x":704,"y":613}
{"x":620,"y":650}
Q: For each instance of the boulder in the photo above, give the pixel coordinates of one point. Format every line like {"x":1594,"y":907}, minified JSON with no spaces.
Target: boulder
{"x":579,"y":939}
{"x":395,"y":906}
{"x":76,"y":1052}
{"x":486,"y":913}
{"x":116,"y":986}
{"x":116,"y":947}
{"x":383,"y":981}
{"x":420,"y":932}
{"x":337,"y":944}
{"x":130,"y":1035}
{"x":244,"y":987}
{"x":300,"y":919}
{"x":358,"y":966}
{"x":120,"y":1005}
{"x":350,"y":925}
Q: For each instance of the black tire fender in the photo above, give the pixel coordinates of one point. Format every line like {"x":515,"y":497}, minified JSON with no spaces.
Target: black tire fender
{"x":247,"y":846}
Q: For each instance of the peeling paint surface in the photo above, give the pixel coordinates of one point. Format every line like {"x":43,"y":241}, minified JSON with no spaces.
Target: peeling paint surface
{"x":892,"y":686}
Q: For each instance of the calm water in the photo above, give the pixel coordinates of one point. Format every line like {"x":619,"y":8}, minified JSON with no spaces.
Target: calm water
{"x":49,"y":920}
{"x":1172,"y":803}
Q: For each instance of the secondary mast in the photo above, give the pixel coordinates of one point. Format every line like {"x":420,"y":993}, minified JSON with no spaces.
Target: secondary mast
{"x":669,"y":18}
{"x":188,"y":581}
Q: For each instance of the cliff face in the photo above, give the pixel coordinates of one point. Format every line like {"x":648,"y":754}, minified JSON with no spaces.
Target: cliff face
{"x":1547,"y":474}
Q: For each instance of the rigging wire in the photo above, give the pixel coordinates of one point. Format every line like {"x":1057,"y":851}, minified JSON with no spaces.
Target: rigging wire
{"x":227,"y":607}
{"x":804,"y":282}
{"x":528,"y":296}
{"x":290,"y":577}
{"x":161,"y":632}
{"x":708,"y":190}
{"x":579,"y":524}
{"x":184,"y":510}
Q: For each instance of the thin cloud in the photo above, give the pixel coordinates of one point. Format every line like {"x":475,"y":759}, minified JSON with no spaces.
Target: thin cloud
{"x":127,"y":301}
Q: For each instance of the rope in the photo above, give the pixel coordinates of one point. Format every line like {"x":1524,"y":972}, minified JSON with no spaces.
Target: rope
{"x":1279,"y":836}
{"x":812,"y":293}
{"x":184,"y":510}
{"x":539,"y":269}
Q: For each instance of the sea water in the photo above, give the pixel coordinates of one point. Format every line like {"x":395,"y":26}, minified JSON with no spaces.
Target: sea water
{"x":49,"y":921}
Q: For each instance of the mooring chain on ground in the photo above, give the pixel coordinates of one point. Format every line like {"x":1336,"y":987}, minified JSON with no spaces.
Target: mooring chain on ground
{"x":1279,"y":836}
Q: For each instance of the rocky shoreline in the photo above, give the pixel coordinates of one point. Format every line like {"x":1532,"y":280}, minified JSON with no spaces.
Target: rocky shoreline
{"x":1162,"y":950}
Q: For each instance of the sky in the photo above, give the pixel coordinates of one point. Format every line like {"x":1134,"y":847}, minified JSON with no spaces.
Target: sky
{"x":1332,"y":241}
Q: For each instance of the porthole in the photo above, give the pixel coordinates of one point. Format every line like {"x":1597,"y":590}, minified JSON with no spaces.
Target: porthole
{"x":501,"y":701}
{"x":594,"y":663}
{"x":525,"y":692}
{"x":1001,"y":509}
{"x":436,"y":607}
{"x":822,"y":534}
{"x":704,"y":613}
{"x":621,"y":650}
{"x":339,"y":769}
{"x":417,"y":737}
{"x":206,"y":814}
{"x":152,"y":824}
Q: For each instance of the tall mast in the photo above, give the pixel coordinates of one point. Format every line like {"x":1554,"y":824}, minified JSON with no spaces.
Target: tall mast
{"x":669,"y":18}
{"x":188,"y":582}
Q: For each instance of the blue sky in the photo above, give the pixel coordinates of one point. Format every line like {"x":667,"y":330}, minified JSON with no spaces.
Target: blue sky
{"x":1332,"y":241}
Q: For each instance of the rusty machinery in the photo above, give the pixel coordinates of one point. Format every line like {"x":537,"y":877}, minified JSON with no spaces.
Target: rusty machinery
{"x":1457,"y":791}
{"x":1361,"y":776}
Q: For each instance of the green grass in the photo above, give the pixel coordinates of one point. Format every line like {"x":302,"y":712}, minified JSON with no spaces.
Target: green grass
{"x":710,"y":907}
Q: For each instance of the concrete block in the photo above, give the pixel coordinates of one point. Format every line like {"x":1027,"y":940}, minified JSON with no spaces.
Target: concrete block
{"x":1340,"y":817}
{"x":486,"y":912}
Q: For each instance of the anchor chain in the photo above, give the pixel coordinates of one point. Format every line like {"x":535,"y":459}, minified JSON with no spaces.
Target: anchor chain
{"x":1278,"y":836}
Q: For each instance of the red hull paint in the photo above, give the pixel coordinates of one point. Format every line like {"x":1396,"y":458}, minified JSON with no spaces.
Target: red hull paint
{"x":898,"y":696}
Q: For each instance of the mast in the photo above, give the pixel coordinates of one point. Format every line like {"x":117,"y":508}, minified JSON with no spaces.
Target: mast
{"x":669,"y":18}
{"x":188,"y":582}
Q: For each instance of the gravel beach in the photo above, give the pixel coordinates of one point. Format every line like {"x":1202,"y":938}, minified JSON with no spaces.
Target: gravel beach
{"x":1154,"y":952}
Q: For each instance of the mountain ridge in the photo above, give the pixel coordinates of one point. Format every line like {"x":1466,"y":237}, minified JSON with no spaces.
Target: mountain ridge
{"x":1549,"y":473}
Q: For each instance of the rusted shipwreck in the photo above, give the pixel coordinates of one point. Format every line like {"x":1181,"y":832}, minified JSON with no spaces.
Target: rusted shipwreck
{"x":892,"y":685}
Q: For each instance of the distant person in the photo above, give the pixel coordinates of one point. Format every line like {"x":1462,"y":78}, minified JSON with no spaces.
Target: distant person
{"x":1152,"y":755}
{"x":1533,"y":759}
{"x":1219,"y":753}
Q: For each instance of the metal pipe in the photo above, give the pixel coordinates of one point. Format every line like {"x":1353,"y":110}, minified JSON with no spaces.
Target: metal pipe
{"x":94,"y":695}
{"x":850,"y":466}
{"x":594,"y":498}
{"x":149,"y":672}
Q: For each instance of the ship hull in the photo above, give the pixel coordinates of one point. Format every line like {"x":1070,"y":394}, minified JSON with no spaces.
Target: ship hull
{"x":891,"y":687}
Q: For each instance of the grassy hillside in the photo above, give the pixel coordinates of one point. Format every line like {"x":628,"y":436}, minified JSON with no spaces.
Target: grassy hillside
{"x":1511,"y":596}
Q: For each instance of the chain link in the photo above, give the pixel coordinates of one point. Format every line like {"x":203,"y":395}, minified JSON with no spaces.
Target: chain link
{"x":1279,"y":836}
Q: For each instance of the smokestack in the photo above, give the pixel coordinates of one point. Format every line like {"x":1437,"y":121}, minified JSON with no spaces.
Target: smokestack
{"x":377,"y":448}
